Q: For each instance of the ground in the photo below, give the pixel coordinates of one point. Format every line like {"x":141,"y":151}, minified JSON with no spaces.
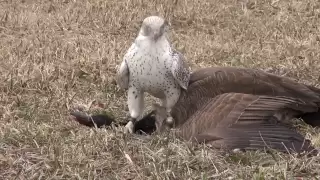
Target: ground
{"x":56,"y":55}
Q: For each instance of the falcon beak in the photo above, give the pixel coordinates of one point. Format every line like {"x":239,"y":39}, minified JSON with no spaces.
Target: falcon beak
{"x":157,"y":35}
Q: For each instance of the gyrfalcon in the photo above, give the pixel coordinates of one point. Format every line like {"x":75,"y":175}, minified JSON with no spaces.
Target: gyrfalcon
{"x":151,"y":65}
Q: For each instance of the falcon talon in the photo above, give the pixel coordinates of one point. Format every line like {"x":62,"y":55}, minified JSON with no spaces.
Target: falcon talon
{"x":236,"y":150}
{"x":169,"y":120}
{"x":129,"y":128}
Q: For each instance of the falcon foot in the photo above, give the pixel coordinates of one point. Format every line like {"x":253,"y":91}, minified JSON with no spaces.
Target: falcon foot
{"x":169,"y":119}
{"x":130,"y":126}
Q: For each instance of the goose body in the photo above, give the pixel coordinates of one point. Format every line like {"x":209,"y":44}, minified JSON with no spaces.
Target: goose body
{"x":229,"y":107}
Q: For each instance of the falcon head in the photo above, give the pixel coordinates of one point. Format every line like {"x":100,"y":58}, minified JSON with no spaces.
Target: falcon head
{"x":153,"y":27}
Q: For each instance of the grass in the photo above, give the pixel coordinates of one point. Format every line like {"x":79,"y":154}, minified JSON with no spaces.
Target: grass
{"x":56,"y":55}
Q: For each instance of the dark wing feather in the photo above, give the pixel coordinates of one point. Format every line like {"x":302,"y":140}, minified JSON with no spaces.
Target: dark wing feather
{"x":249,"y":81}
{"x":240,"y":120}
{"x":209,"y":82}
{"x":256,"y":136}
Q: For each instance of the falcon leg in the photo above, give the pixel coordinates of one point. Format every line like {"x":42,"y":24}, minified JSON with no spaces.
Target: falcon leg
{"x":164,"y":103}
{"x":136,"y":106}
{"x":161,"y":117}
{"x":172,"y":98}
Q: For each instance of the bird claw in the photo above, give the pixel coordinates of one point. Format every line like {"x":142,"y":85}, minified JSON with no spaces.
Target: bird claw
{"x":169,"y":120}
{"x":128,"y":129}
{"x":317,"y":152}
{"x":236,"y":150}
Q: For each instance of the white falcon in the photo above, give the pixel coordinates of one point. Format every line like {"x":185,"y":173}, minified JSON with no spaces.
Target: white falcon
{"x":151,"y":65}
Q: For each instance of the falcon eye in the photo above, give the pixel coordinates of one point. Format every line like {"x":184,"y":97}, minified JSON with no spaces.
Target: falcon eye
{"x":147,"y":30}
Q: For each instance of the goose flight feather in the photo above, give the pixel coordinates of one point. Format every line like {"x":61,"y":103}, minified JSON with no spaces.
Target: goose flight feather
{"x":246,"y":121}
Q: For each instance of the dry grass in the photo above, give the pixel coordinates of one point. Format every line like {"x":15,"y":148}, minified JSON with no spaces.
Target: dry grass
{"x":57,"y":54}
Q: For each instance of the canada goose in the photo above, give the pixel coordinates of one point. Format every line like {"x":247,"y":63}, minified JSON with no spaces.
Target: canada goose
{"x":151,"y":65}
{"x":243,"y":108}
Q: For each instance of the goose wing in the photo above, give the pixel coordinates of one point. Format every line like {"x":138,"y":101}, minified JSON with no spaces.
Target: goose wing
{"x":217,"y":80}
{"x":237,"y":120}
{"x":207,"y":83}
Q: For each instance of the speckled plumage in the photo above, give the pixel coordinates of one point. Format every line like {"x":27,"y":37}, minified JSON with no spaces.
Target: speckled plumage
{"x":151,"y":65}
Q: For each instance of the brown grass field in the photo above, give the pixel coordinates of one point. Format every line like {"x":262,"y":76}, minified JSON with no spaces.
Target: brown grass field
{"x":59,"y":54}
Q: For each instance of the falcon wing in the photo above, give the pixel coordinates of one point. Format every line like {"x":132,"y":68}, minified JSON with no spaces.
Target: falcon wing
{"x":180,"y":70}
{"x":122,"y":77}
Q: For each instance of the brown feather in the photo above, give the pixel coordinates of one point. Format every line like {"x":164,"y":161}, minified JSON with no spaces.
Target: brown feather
{"x":228,"y":121}
{"x":209,"y":82}
{"x":243,"y":108}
